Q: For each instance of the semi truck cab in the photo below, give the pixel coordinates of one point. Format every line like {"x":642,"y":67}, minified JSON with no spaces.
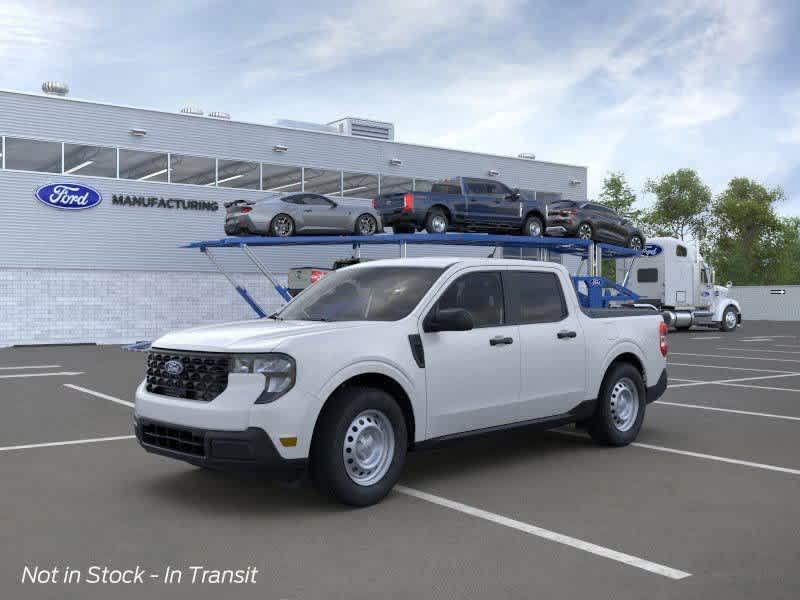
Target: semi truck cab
{"x":672,"y":276}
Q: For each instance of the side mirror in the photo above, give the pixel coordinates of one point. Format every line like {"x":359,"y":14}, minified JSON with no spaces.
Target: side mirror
{"x":514,"y":194}
{"x":449,"y":319}
{"x":729,"y":285}
{"x":333,"y":204}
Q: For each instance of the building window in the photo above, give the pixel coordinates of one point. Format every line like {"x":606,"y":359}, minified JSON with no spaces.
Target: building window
{"x":144,"y":166}
{"x":323,"y":181}
{"x":360,"y":185}
{"x":90,"y":160}
{"x":280,"y":178}
{"x":423,"y":185}
{"x":238,"y":174}
{"x":396,"y":185}
{"x":33,"y":155}
{"x":195,"y":170}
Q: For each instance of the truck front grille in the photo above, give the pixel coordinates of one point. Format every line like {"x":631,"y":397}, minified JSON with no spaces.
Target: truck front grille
{"x":174,"y":438}
{"x":188,"y":375}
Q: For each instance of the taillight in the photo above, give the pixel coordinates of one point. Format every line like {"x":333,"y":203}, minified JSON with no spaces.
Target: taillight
{"x":316,"y":275}
{"x":408,"y":202}
{"x":662,"y":338}
{"x":374,"y":203}
{"x":246,"y":210}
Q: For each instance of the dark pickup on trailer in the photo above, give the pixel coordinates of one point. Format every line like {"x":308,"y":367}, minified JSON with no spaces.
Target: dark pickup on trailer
{"x":464,"y":204}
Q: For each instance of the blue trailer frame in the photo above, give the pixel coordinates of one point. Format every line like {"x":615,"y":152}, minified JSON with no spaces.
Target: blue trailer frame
{"x":600,"y":292}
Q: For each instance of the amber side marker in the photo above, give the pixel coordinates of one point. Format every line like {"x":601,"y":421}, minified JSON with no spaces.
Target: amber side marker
{"x":288,"y":441}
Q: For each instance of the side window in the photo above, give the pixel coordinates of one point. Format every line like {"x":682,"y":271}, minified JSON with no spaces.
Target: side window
{"x":534,"y":297}
{"x":476,"y":188}
{"x":703,"y":276}
{"x":481,"y":294}
{"x":680,"y":251}
{"x":317,"y":200}
{"x":295,"y":199}
{"x":647,"y":275}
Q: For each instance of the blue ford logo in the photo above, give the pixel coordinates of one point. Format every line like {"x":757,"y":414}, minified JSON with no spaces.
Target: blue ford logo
{"x":174,"y":367}
{"x":68,"y":196}
{"x":652,"y":250}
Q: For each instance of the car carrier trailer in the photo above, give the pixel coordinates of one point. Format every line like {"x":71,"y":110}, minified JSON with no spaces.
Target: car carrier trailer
{"x":594,"y":290}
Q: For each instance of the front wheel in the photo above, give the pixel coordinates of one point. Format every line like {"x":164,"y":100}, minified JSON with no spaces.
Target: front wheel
{"x":730,"y":319}
{"x":620,"y":408}
{"x":584,"y":232}
{"x":533,"y":227}
{"x":366,"y":224}
{"x":359,"y":448}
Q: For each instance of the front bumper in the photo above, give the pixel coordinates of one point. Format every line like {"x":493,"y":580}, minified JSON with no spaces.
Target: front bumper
{"x":655,"y":392}
{"x":246,"y":451}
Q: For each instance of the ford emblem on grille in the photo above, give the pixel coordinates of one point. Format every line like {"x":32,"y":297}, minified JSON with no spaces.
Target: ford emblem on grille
{"x":174,"y":367}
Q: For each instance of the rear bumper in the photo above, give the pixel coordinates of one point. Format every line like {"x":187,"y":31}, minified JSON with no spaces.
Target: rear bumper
{"x":250,"y":450}
{"x":655,"y":392}
{"x":559,"y":227}
{"x":398,"y":217}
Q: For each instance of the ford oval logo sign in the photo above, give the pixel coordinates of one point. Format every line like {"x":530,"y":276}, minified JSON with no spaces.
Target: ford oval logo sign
{"x":68,"y":196}
{"x":652,"y":250}
{"x":174,"y":367}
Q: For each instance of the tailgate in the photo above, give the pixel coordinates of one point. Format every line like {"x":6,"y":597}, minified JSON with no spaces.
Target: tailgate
{"x":390,"y":202}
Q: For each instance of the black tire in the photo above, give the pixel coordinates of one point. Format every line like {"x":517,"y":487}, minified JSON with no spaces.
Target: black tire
{"x":328,"y":467}
{"x":580,"y":231}
{"x":636,"y":242}
{"x":433,"y":220}
{"x":533,"y":224}
{"x":728,"y":323}
{"x":276,"y":225}
{"x":360,"y":229}
{"x":604,"y":425}
{"x":403,"y":228}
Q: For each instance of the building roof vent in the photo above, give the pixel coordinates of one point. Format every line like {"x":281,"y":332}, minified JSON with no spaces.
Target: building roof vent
{"x":192,"y":110}
{"x":527,"y":155}
{"x":216,"y":114}
{"x":376,"y":130}
{"x":55,"y":88}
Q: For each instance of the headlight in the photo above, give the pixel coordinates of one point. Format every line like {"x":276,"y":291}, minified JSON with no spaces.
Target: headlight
{"x":278,"y":370}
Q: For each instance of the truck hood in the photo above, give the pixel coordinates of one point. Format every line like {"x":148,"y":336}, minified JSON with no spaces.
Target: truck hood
{"x":262,"y":335}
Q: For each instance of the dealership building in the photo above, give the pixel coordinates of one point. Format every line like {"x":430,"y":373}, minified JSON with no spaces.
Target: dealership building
{"x":113,"y":272}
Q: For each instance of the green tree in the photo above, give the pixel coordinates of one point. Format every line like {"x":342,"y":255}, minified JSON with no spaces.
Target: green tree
{"x":681,"y":205}
{"x":618,"y":195}
{"x":749,"y":243}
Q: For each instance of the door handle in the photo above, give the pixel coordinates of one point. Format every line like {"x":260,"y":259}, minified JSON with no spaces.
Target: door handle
{"x":308,"y":210}
{"x":564,"y":334}
{"x":500,"y":341}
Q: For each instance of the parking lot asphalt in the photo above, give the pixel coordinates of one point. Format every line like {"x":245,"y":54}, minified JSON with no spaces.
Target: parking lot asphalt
{"x":706,"y":504}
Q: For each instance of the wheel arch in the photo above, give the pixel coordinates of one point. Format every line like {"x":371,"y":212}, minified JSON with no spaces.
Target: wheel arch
{"x":285,"y":214}
{"x":622,"y":356}
{"x":720,"y":310}
{"x":444,"y":209}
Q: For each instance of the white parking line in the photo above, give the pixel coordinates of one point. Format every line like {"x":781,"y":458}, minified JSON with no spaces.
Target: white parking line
{"x":30,"y":367}
{"x":67,"y":443}
{"x":732,"y":381}
{"x":99,"y":395}
{"x":676,"y":364}
{"x":760,"y":350}
{"x":546,"y":534}
{"x":792,"y":360}
{"x":711,"y":337}
{"x":19,"y":375}
{"x":761,"y":387}
{"x":786,"y":345}
{"x":729,"y":410}
{"x":712,"y":457}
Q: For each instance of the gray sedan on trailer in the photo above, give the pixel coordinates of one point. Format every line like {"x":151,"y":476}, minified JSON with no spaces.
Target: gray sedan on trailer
{"x":300,"y":213}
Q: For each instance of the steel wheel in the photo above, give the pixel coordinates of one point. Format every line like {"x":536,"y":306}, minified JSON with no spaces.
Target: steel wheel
{"x":439,"y":224}
{"x":635,"y":243}
{"x":585,"y":231}
{"x":366,"y":225}
{"x":368,"y":448}
{"x":282,"y":226}
{"x":624,"y":404}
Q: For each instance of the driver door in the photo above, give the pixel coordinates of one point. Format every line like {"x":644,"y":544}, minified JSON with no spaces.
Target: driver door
{"x":321,"y":214}
{"x":472,"y":377}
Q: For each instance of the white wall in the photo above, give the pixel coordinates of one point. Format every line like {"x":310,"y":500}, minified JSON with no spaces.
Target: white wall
{"x":760,"y":304}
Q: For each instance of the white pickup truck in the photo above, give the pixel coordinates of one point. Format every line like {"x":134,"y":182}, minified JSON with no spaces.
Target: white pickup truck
{"x":389,"y":356}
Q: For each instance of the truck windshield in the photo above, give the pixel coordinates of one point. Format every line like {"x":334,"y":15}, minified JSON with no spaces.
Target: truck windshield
{"x":363,"y":294}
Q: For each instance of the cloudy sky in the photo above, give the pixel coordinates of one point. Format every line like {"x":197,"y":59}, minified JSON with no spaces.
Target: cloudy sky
{"x":641,"y":87}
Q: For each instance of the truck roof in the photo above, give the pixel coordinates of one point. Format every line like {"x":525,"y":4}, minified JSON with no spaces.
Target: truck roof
{"x":444,"y":262}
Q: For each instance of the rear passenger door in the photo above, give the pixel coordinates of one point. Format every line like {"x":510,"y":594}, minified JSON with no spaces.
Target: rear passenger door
{"x":552,"y":345}
{"x":478,"y":203}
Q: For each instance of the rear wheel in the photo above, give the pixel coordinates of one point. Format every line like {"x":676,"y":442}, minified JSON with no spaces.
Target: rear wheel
{"x":620,"y":409}
{"x":730,"y":319}
{"x":584,"y":232}
{"x":533,"y":227}
{"x":359,"y":447}
{"x":366,"y":224}
{"x":281,"y":226}
{"x":436,"y":221}
{"x":635,"y":242}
